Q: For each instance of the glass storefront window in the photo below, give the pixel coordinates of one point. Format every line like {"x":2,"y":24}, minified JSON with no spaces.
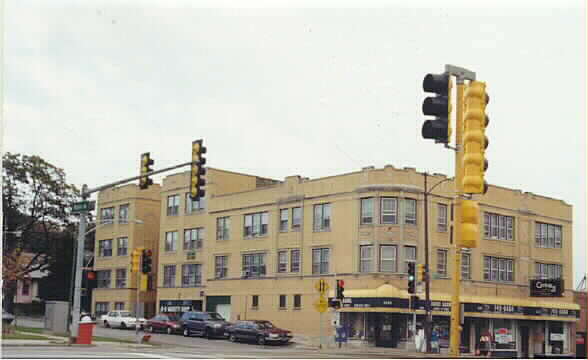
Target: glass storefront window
{"x":556,"y":337}
{"x":504,"y":334}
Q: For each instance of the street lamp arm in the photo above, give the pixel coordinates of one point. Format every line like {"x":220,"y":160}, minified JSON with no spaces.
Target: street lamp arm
{"x":439,"y":183}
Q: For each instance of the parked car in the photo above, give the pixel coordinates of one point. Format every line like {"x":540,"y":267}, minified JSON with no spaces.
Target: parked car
{"x":7,"y":318}
{"x":206,"y":324}
{"x":122,"y":319}
{"x":169,"y":323}
{"x":260,"y":331}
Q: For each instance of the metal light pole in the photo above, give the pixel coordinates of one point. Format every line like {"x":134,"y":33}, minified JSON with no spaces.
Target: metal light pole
{"x":78,"y":274}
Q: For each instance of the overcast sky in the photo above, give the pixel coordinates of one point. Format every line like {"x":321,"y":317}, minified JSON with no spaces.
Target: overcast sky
{"x":302,"y":88}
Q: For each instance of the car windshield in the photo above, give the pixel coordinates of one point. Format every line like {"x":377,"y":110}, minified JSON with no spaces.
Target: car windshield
{"x":173,"y":317}
{"x":265,"y":325}
{"x":214,"y":316}
{"x":125,"y":313}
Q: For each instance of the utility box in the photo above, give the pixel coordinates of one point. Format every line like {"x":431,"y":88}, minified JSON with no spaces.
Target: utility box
{"x":56,"y":314}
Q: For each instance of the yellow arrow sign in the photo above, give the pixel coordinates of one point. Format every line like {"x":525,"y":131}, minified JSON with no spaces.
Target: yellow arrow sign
{"x":321,"y":305}
{"x":321,"y":286}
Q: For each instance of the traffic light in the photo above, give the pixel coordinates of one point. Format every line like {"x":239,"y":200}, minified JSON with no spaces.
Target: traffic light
{"x":147,"y":261}
{"x":340,"y":289}
{"x":439,"y":106}
{"x":146,"y":162}
{"x":198,"y":171}
{"x":421,"y":272}
{"x":136,"y":260}
{"x":411,"y":278}
{"x":470,"y":224}
{"x":475,"y":141}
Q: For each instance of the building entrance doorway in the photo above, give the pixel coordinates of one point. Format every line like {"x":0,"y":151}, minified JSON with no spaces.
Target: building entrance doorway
{"x":387,"y":330}
{"x":524,"y":341}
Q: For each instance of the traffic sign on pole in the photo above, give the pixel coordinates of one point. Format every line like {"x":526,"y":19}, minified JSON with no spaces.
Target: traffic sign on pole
{"x":321,"y":305}
{"x":321,"y":286}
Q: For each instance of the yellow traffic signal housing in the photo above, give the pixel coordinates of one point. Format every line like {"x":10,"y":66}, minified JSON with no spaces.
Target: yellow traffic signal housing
{"x":198,"y":171}
{"x":144,"y":282}
{"x":474,"y":139}
{"x":136,"y":259}
{"x":470,"y":224}
{"x":421,"y":272}
{"x":146,"y":162}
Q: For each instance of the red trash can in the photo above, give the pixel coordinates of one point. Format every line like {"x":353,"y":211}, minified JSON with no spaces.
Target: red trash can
{"x":85,"y":333}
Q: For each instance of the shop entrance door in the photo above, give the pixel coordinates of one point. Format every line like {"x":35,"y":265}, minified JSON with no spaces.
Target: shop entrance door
{"x":387,"y":333}
{"x":525,"y":341}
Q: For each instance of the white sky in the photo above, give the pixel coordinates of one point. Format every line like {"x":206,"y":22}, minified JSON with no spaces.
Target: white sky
{"x":316,"y":90}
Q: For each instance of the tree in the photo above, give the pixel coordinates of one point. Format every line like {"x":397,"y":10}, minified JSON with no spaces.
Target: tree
{"x":36,"y":206}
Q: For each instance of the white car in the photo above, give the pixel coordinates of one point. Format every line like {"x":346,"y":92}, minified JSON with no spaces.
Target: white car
{"x":121,"y":319}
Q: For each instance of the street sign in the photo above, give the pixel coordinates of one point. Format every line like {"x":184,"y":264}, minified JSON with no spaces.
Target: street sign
{"x":83,"y":206}
{"x":321,"y":305}
{"x":321,"y":286}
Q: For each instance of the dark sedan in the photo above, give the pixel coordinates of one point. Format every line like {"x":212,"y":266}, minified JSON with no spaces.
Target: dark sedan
{"x":259,"y":331}
{"x":206,"y":324}
{"x":168,"y":323}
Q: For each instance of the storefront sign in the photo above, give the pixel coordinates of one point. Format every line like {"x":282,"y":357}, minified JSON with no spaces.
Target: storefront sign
{"x":556,"y":337}
{"x":546,"y":287}
{"x":173,"y":306}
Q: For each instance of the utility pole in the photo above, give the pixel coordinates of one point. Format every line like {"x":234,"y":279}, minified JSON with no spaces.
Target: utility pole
{"x":75,"y":321}
{"x":428,"y":318}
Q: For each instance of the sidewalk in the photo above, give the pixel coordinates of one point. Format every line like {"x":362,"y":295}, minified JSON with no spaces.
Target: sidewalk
{"x":64,"y":341}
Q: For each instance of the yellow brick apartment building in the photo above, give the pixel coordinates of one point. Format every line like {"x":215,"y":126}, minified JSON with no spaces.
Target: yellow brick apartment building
{"x":255,"y":247}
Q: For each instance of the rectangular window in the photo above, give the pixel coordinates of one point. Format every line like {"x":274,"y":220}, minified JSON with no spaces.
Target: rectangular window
{"x":284,"y":220}
{"x":123,"y":214}
{"x":486,"y":225}
{"x":105,"y":247}
{"x":388,"y":258}
{"x":367,"y":211}
{"x":410,"y":255}
{"x":221,"y":268}
{"x":548,"y":271}
{"x":122,"y":246}
{"x":493,"y":227}
{"x":498,"y":269}
{"x":366,"y":258}
{"x":283,"y":261}
{"x":256,"y":224}
{"x":442,"y":262}
{"x":389,"y":211}
{"x":410,"y":211}
{"x":169,"y":276}
{"x":253,"y":265}
{"x":297,"y":301}
{"x":500,"y":227}
{"x":320,"y":261}
{"x":121,"y":278}
{"x":103,"y":279}
{"x":295,"y":260}
{"x":191,"y":275}
{"x":26,"y":287}
{"x":548,"y":235}
{"x":282,"y":301}
{"x":255,"y":301}
{"x":107,"y":215}
{"x":193,"y":238}
{"x":171,"y":241}
{"x":223,"y":226}
{"x":193,"y":206}
{"x":101,"y":308}
{"x":466,"y":259}
{"x":119,"y":306}
{"x":296,"y":218}
{"x":441,"y":217}
{"x":173,"y":205}
{"x":322,"y":217}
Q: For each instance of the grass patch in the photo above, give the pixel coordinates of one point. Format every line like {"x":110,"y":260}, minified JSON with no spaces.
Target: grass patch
{"x":30,"y":329}
{"x":19,"y":336}
{"x":109,"y":339}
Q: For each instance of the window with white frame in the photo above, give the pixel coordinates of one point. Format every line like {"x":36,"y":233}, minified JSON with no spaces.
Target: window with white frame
{"x":171,"y":241}
{"x":103,"y":279}
{"x":169,"y":276}
{"x":193,"y":238}
{"x":410,"y":256}
{"x":284,"y":220}
{"x":122,"y":246}
{"x":296,"y":218}
{"x":119,"y":305}
{"x":121,"y":278}
{"x":221,"y":266}
{"x":548,"y":271}
{"x":283,"y":302}
{"x":295,"y":260}
{"x":191,"y":275}
{"x":367,"y":211}
{"x":256,"y":224}
{"x":223,"y":226}
{"x":466,"y":260}
{"x":283,"y":261}
{"x":105,"y":247}
{"x":410,"y":211}
{"x":498,"y":269}
{"x":499,"y":227}
{"x":297,"y":301}
{"x":320,"y":260}
{"x":107,"y":215}
{"x":442,"y":262}
{"x":173,"y":205}
{"x":441,"y":217}
{"x":193,"y":206}
{"x":366,"y":258}
{"x":388,"y":258}
{"x":322,"y":217}
{"x":389,"y":211}
{"x":253,"y":265}
{"x":101,"y":308}
{"x":548,"y":235}
{"x":123,"y":214}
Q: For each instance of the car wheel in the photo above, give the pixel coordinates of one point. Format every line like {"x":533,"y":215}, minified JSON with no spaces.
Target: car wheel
{"x":169,"y":330}
{"x":186,"y":332}
{"x":261,"y":340}
{"x":123,"y":325}
{"x":206,"y":333}
{"x":106,"y":324}
{"x":232,"y":338}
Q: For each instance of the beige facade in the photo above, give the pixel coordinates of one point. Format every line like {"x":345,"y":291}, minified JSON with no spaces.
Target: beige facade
{"x":127,"y":213}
